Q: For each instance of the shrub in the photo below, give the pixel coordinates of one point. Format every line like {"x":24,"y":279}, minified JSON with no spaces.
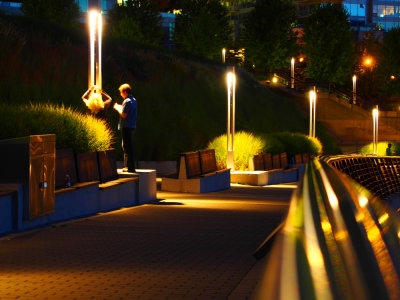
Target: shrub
{"x":367,"y":149}
{"x":248,"y":145}
{"x":292,"y":143}
{"x":83,"y":133}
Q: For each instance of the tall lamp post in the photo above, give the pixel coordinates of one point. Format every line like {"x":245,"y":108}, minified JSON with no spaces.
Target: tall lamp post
{"x":313,"y":103}
{"x":292,"y":72}
{"x":95,"y":28}
{"x":375,"y":116}
{"x":354,"y":89}
{"x":230,"y":130}
{"x":223,"y":55}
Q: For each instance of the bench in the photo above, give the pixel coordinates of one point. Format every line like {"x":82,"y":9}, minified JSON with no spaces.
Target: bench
{"x":271,"y":169}
{"x":94,"y":184}
{"x":197,"y":173}
{"x":66,"y":170}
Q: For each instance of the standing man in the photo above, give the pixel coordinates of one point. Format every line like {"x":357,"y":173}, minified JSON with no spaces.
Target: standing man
{"x":127,"y":124}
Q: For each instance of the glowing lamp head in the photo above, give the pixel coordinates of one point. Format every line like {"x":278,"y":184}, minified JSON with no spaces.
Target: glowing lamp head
{"x":368,"y":61}
{"x":292,"y":60}
{"x":392,"y":77}
{"x":230,"y":78}
{"x":274,"y":79}
{"x":354,"y":78}
{"x":301,"y":59}
{"x":375,"y":112}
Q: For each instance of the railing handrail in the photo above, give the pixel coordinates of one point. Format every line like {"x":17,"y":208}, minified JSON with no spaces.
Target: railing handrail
{"x":338,"y":242}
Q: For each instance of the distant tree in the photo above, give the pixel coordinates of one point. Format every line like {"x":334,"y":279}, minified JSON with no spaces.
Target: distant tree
{"x":268,"y":38}
{"x":368,"y":84}
{"x":138,"y":21}
{"x":64,"y":12}
{"x":329,"y":45}
{"x":202,"y":28}
{"x":388,"y":68}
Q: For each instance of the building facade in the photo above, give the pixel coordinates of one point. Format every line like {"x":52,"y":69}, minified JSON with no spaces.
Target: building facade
{"x":379,"y":14}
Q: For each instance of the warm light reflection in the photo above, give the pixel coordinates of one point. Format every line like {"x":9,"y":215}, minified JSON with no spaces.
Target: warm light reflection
{"x":301,"y":59}
{"x":326,"y":226}
{"x":383,"y":218}
{"x":362,"y":200}
{"x":392,"y":77}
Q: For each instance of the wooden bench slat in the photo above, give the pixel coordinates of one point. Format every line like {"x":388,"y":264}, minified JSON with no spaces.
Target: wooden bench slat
{"x":192,"y":161}
{"x":87,"y":167}
{"x":208,"y":162}
{"x":107,"y":165}
{"x":65,"y":165}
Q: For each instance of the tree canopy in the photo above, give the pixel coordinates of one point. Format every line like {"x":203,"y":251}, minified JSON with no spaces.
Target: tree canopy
{"x":389,"y":63}
{"x":267,"y":34}
{"x":138,"y":21}
{"x":329,"y":45}
{"x":202,"y":28}
{"x":64,"y":12}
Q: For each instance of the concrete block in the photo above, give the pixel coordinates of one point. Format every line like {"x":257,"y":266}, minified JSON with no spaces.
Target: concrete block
{"x":147,"y":185}
{"x":250,"y":177}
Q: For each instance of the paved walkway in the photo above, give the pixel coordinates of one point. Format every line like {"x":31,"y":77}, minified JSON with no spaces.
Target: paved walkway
{"x":185,"y":246}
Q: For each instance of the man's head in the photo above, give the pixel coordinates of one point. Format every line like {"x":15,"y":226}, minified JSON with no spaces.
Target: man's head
{"x":125,"y":90}
{"x":390,"y":145}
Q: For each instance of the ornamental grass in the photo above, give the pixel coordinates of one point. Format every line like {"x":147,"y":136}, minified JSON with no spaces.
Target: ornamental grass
{"x":83,"y":133}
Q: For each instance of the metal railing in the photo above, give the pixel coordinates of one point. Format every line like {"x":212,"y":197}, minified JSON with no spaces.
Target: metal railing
{"x":338,"y":242}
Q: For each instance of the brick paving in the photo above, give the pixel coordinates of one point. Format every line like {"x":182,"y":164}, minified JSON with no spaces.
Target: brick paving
{"x":183,"y":247}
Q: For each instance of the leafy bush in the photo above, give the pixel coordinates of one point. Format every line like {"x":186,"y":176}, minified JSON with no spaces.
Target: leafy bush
{"x":247,"y":145}
{"x":83,"y":133}
{"x":368,"y":149}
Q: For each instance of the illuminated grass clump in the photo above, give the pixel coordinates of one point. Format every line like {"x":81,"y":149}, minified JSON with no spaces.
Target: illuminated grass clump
{"x":83,"y":133}
{"x":367,"y":149}
{"x":248,"y":145}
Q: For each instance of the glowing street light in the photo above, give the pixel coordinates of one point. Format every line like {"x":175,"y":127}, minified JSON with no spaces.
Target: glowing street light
{"x":368,"y":61}
{"x":375,"y":115}
{"x":223,"y":55}
{"x":292,"y":72}
{"x":95,"y":28}
{"x":313,"y":103}
{"x":230,"y":130}
{"x":354,"y":89}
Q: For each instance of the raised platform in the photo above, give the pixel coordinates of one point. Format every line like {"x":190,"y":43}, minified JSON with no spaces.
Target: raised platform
{"x":266,"y":177}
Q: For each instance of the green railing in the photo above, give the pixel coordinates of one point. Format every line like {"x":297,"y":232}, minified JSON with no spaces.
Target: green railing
{"x":338,"y":241}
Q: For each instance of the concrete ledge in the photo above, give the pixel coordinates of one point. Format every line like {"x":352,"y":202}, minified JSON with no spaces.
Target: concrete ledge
{"x":74,"y":204}
{"x":216,"y":182}
{"x":265,"y":177}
